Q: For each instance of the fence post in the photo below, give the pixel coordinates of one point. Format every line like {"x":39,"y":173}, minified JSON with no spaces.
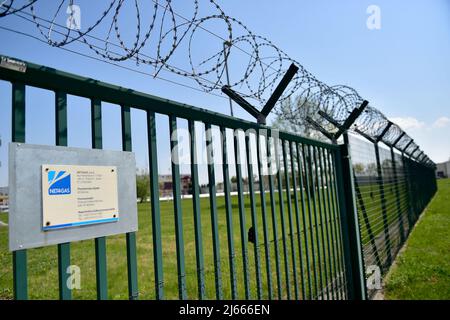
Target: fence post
{"x":354,"y":265}
{"x":20,"y":275}
{"x":132,"y":272}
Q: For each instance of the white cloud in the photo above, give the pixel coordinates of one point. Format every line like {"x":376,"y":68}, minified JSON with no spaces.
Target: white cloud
{"x":432,"y":137}
{"x":408,"y":123}
{"x":441,"y":122}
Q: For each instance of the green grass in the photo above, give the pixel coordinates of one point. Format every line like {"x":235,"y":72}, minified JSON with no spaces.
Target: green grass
{"x":42,"y":262}
{"x":422,"y":270}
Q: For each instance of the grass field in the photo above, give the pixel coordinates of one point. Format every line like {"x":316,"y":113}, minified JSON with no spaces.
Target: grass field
{"x":42,"y":262}
{"x":422,"y":270}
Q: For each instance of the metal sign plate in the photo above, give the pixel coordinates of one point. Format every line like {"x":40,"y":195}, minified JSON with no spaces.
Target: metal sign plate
{"x":46,"y":208}
{"x":12,"y":64}
{"x":78,"y":195}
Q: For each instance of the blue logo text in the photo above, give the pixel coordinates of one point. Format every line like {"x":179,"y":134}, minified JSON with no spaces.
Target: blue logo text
{"x":59,"y":183}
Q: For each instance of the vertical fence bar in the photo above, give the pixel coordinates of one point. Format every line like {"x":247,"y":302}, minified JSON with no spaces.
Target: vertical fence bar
{"x":309,"y":190}
{"x":133,"y":292}
{"x":339,"y":232}
{"x":313,"y":190}
{"x":270,"y":164}
{"x":264,"y":213}
{"x":213,"y":208}
{"x":354,"y":265}
{"x":343,"y":293}
{"x":325,"y":223}
{"x":334,"y":272}
{"x":318,"y":170}
{"x":283,"y":224}
{"x":291,"y":221}
{"x":100,"y":243}
{"x":253,"y":215}
{"x":155,"y":208}
{"x":20,"y":276}
{"x":333,"y":232}
{"x":331,"y":220}
{"x":229,"y":213}
{"x":61,"y":140}
{"x":96,"y":124}
{"x":242,"y":220}
{"x":176,"y":182}
{"x":297,"y":218}
{"x":197,"y":213}
{"x":380,"y":181}
{"x":63,"y":264}
{"x":18,"y":112}
{"x":304,"y":212}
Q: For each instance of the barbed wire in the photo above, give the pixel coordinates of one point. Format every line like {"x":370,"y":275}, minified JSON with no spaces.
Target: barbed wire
{"x":112,"y":63}
{"x":266,"y":63}
{"x":47,"y":27}
{"x":393,"y":134}
{"x":161,"y":36}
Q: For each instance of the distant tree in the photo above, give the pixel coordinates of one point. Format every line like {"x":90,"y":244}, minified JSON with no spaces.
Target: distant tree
{"x":190,"y":188}
{"x":372,"y":169}
{"x":358,"y":168}
{"x":291,"y":116}
{"x":142,"y":186}
{"x":386,"y":164}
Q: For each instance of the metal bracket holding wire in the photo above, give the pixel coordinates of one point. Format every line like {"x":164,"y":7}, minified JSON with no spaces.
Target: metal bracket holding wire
{"x":341,"y":128}
{"x":261,"y":116}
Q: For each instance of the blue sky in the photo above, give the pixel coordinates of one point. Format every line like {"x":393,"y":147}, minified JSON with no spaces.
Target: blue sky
{"x":403,"y":69}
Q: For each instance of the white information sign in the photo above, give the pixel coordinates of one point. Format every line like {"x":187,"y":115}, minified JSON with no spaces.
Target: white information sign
{"x":78,"y":195}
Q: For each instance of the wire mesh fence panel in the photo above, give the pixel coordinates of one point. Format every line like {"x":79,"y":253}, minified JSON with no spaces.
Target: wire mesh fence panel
{"x":386,"y":201}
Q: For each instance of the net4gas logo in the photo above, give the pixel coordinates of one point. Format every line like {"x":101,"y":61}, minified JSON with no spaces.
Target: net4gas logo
{"x":59,"y":183}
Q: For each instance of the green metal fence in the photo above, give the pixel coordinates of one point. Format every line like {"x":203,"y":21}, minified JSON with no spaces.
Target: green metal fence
{"x":293,"y":234}
{"x":392,"y":190}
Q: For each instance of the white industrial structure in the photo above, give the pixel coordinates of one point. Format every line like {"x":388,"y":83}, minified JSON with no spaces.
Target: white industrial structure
{"x":3,"y":199}
{"x":443,"y":170}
